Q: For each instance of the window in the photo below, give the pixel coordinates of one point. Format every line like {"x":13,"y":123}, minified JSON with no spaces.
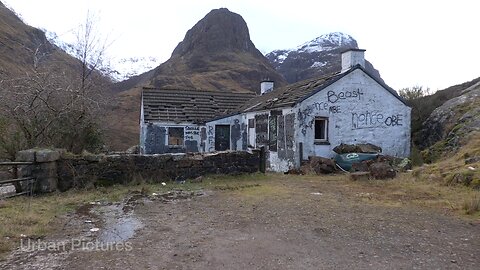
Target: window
{"x":321,"y":129}
{"x":175,"y":136}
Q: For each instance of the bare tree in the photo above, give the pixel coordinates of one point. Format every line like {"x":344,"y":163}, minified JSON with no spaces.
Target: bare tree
{"x":56,"y":104}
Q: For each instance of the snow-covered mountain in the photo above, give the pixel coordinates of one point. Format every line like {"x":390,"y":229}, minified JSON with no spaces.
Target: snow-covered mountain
{"x":118,"y":69}
{"x":314,"y":58}
{"x":125,"y":68}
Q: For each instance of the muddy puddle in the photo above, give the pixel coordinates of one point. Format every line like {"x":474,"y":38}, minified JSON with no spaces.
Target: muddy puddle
{"x":118,"y":222}
{"x":117,"y":226}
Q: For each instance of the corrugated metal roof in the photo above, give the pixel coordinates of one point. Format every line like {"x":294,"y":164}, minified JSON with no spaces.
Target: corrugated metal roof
{"x":193,"y":106}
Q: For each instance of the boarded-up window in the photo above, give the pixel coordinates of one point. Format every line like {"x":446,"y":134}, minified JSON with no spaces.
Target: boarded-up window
{"x":321,"y":129}
{"x":175,"y":136}
{"x":261,"y":129}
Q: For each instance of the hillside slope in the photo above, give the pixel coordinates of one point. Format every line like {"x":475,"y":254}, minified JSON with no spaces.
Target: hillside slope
{"x":23,"y":47}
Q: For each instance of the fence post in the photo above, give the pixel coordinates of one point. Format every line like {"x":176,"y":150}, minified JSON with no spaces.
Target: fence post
{"x":17,"y":185}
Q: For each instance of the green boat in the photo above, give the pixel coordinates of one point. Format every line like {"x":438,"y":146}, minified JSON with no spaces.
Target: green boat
{"x":345,"y":161}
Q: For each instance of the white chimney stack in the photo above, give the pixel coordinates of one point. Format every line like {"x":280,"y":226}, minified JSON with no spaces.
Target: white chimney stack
{"x":265,"y":87}
{"x":351,"y":58}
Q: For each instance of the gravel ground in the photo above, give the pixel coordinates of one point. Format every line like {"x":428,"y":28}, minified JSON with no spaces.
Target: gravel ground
{"x":288,"y":223}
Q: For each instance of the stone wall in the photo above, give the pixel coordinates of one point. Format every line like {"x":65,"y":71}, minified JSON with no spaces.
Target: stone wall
{"x":44,"y":169}
{"x":57,"y":170}
{"x":121,"y":169}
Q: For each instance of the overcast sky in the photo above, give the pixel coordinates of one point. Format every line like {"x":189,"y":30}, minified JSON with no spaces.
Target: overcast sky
{"x":411,"y":42}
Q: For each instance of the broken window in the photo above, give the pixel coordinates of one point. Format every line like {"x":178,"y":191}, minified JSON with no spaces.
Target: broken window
{"x":175,"y":136}
{"x":321,"y":129}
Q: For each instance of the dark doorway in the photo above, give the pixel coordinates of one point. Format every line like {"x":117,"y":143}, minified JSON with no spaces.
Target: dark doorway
{"x":222,"y":137}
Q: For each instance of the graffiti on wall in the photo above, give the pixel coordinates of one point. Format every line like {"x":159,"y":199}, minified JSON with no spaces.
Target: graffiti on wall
{"x":235,"y":134}
{"x":155,"y":140}
{"x":334,"y":97}
{"x":360,"y":120}
{"x":211,"y":139}
{"x":244,"y":136}
{"x":375,"y":119}
{"x":191,"y":133}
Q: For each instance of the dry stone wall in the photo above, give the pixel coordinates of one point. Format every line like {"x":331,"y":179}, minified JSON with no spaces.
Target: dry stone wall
{"x":68,"y":171}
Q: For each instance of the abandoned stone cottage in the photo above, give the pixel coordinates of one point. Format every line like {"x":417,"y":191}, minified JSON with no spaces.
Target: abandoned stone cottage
{"x":308,"y":118}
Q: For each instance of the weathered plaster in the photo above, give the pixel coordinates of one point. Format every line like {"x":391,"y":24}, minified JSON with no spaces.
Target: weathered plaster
{"x":359,"y":110}
{"x":238,"y":132}
{"x":156,"y":138}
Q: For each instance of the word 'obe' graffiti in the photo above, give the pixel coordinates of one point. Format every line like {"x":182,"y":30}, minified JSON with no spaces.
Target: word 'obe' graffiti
{"x":375,"y":119}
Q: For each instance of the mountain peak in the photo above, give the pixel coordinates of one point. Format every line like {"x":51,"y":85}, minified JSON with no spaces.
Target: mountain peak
{"x":316,"y":57}
{"x":219,"y":30}
{"x":329,"y":41}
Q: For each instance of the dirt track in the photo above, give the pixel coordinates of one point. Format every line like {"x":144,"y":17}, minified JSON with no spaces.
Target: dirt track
{"x":299,"y":223}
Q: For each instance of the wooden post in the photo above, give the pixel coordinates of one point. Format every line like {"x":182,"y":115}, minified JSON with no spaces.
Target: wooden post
{"x":17,"y":185}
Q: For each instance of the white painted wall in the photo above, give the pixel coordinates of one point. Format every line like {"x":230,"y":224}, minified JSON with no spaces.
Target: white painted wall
{"x":352,"y":58}
{"x":210,"y":144}
{"x":359,"y":111}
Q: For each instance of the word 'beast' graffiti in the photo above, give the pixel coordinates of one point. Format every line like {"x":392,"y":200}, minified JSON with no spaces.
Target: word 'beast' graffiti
{"x":334,"y":97}
{"x":375,"y":120}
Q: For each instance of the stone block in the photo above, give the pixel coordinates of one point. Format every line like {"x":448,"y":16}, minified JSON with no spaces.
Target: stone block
{"x":46,"y":155}
{"x":26,"y":155}
{"x":46,"y":185}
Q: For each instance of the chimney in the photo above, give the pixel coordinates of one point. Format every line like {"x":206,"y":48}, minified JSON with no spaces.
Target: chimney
{"x":266,"y":86}
{"x":351,"y":58}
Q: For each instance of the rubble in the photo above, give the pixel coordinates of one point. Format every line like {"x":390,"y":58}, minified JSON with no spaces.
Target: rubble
{"x":318,"y":165}
{"x":357,"y":148}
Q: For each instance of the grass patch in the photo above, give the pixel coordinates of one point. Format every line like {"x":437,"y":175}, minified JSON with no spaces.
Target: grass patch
{"x":471,"y":206}
{"x":453,"y":170}
{"x":408,"y":189}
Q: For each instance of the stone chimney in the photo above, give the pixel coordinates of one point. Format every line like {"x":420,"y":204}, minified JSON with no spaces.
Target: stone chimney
{"x":351,"y":58}
{"x":266,"y":86}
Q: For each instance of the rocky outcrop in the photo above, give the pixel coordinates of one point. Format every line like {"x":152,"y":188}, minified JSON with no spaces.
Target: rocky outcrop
{"x":448,"y":125}
{"x":315,"y":58}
